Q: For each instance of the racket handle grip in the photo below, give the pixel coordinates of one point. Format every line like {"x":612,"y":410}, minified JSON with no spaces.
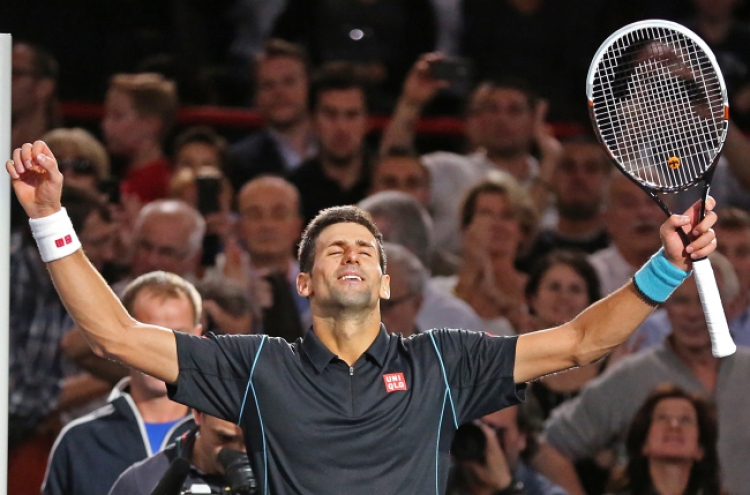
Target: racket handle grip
{"x":722,"y":344}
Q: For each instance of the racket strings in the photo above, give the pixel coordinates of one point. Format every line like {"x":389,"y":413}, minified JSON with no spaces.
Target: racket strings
{"x":659,"y":107}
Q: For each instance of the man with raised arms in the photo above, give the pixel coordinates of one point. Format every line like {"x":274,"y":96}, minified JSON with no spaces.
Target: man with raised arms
{"x":345,"y":408}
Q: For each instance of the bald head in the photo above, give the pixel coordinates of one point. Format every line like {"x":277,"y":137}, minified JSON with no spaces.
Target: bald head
{"x":270,"y":220}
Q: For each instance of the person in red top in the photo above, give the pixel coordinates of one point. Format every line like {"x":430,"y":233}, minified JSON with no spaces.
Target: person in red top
{"x":139,"y":111}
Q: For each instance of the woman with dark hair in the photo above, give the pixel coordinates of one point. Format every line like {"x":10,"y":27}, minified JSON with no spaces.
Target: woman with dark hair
{"x":672,"y":446}
{"x":561,"y":285}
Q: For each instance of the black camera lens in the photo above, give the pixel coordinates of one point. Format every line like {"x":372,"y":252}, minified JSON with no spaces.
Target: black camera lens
{"x":469,"y":444}
{"x":237,"y":472}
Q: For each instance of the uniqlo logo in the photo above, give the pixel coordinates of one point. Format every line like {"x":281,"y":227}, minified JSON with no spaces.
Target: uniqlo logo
{"x":64,"y":241}
{"x":394,"y":382}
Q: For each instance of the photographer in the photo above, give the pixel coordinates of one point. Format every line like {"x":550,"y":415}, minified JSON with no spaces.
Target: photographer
{"x":202,"y":447}
{"x":488,"y":457}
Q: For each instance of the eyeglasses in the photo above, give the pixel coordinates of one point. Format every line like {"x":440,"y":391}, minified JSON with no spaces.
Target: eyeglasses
{"x":77,"y":165}
{"x":388,"y":304}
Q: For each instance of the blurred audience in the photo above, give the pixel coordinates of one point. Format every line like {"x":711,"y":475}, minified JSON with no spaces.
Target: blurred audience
{"x":199,"y":147}
{"x":408,"y":279}
{"x":601,"y":413}
{"x":33,"y":93}
{"x":282,"y":75}
{"x":228,"y":307}
{"x":508,"y":438}
{"x":340,"y":173}
{"x":82,"y":159}
{"x":402,"y":220}
{"x":139,"y":111}
{"x":671,"y":446}
{"x":400,"y":169}
{"x":139,"y":419}
{"x":498,"y":222}
{"x":733,"y":228}
{"x":381,"y":38}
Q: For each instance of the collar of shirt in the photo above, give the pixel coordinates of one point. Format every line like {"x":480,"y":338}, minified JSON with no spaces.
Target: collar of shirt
{"x":320,"y":355}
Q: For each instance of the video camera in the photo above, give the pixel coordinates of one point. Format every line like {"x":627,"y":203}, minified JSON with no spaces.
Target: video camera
{"x":238,"y":477}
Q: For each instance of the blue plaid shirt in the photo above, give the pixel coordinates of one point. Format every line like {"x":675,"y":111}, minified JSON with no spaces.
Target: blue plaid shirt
{"x":38,"y":322}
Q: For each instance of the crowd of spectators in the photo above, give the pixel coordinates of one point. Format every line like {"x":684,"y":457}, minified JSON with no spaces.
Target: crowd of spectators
{"x":518,"y":232}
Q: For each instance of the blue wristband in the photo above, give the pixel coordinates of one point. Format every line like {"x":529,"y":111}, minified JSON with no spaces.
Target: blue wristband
{"x":658,"y":278}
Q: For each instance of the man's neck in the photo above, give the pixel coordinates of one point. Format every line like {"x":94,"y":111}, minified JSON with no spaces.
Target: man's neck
{"x":29,"y":128}
{"x":579,"y":229}
{"x":297,"y":135}
{"x":157,"y":409}
{"x":347,"y":337}
{"x":701,"y":362}
{"x":272,"y":263}
{"x":516,"y":164}
{"x":346,"y":174}
{"x":669,"y":477}
{"x":147,"y":153}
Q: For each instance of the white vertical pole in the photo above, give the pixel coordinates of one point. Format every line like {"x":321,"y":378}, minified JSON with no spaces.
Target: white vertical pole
{"x":5,"y":81}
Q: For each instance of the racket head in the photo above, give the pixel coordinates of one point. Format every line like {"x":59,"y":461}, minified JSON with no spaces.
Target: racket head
{"x":658,"y":104}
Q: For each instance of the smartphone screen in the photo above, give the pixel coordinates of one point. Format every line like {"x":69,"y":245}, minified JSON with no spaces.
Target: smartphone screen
{"x":209,"y":189}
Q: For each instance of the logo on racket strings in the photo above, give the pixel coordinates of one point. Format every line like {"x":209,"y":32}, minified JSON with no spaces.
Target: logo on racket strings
{"x":673,"y":162}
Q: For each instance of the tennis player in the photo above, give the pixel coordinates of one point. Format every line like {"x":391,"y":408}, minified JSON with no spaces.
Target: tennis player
{"x":348,"y":409}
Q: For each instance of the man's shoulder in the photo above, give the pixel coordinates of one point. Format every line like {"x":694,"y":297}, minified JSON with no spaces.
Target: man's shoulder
{"x":308,"y":168}
{"x":144,"y":475}
{"x":251,"y":144}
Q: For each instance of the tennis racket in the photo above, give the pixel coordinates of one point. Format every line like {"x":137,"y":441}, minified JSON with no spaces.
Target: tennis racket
{"x":658,"y":103}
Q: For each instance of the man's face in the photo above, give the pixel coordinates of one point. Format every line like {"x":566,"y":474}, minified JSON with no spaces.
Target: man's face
{"x":404,"y":174}
{"x":494,"y":215}
{"x":281,"y":96}
{"x":580,"y":181}
{"x":174,"y":313}
{"x":501,"y":120}
{"x":633,"y":218}
{"x":735,"y":245}
{"x":28,"y":91}
{"x":346,"y":273}
{"x":685,"y":313}
{"x":399,"y":313}
{"x":163,"y":243}
{"x":270,"y":223}
{"x":561,"y":296}
{"x":196,"y":156}
{"x":124,"y":129}
{"x":512,"y":441}
{"x":97,"y":239}
{"x":215,"y":434}
{"x":341,"y":123}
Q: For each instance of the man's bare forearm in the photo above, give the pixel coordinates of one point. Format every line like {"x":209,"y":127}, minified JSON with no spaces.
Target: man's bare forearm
{"x":401,"y":129}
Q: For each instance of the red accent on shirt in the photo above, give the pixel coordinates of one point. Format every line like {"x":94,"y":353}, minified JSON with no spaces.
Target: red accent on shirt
{"x":148,"y":182}
{"x":394,"y":382}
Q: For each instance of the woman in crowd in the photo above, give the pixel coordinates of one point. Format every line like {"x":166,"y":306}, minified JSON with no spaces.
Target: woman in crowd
{"x":672,"y":446}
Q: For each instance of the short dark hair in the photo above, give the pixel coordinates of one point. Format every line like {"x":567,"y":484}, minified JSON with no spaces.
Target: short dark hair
{"x":278,"y":48}
{"x":332,"y":216}
{"x":335,"y":76}
{"x":164,"y":285}
{"x":704,"y":475}
{"x":576,"y":260}
{"x":512,"y":83}
{"x":202,"y":134}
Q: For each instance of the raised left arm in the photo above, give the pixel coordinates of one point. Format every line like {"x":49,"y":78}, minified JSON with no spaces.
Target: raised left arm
{"x":609,"y":322}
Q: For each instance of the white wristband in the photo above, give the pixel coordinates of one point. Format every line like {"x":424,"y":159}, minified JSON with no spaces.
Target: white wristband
{"x":55,"y":236}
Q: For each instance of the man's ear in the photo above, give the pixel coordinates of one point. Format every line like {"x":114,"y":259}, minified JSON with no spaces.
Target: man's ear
{"x":198,"y":330}
{"x":385,"y":287}
{"x":304,"y":287}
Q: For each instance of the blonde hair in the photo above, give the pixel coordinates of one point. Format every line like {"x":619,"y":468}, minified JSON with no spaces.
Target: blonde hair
{"x":153,"y":95}
{"x":82,"y":144}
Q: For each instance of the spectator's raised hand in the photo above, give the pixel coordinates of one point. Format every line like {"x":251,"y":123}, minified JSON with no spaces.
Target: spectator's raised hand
{"x":36,"y":179}
{"x":494,"y":473}
{"x":420,"y":87}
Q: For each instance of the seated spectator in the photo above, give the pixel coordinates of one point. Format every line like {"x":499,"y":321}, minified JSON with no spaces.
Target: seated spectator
{"x":228,"y":307}
{"x":734,"y":227}
{"x":380,"y":38}
{"x":81,"y":157}
{"x":504,"y":122}
{"x":560,"y":286}
{"x":340,"y":173}
{"x":139,"y":111}
{"x":401,"y":169}
{"x":33,"y":102}
{"x":281,"y":96}
{"x":497,"y":221}
{"x":139,"y":420}
{"x":198,"y":147}
{"x":408,"y":278}
{"x":268,"y":229}
{"x":578,"y":185}
{"x":200,"y":446}
{"x":601,"y":413}
{"x":672,"y":446}
{"x":509,"y":438}
{"x":402,"y":220}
